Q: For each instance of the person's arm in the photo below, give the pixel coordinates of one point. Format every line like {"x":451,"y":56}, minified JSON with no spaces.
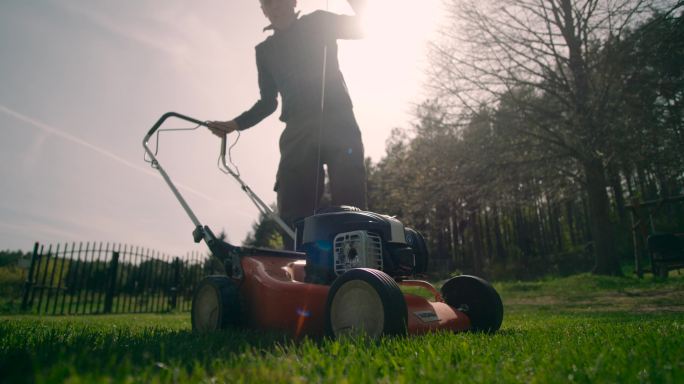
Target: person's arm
{"x":266,"y":105}
{"x":350,"y":26}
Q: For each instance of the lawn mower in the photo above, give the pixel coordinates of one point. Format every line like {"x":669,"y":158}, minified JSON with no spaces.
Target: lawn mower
{"x":342,"y":279}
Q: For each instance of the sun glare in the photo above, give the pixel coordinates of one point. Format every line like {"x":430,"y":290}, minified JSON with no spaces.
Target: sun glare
{"x":400,"y":22}
{"x":386,"y":71}
{"x":393,"y":56}
{"x":395,"y":30}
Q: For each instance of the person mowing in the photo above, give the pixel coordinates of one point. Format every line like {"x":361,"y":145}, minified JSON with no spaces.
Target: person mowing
{"x":299,"y":62}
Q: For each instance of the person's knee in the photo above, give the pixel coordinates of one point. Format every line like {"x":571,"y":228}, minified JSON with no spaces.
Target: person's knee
{"x":295,"y":201}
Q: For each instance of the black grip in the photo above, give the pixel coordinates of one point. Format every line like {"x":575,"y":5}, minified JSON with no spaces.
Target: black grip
{"x":176,"y":115}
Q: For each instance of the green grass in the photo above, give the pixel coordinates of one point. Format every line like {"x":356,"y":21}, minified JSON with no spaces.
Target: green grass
{"x":560,"y":330}
{"x":585,"y":293}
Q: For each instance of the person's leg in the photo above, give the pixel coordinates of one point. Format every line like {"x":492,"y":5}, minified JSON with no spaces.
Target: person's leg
{"x":297,"y":196}
{"x":346,"y":168}
{"x":296,"y":179}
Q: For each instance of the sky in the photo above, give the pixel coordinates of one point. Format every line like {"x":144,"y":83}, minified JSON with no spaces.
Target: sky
{"x":82,"y":81}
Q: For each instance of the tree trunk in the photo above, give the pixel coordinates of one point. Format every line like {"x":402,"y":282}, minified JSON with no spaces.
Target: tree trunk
{"x":542,"y":239}
{"x":586,"y":222}
{"x":452,"y":237}
{"x":554,"y":219}
{"x":616,"y":185}
{"x":477,"y":243}
{"x":571,"y":223}
{"x":488,"y":237}
{"x":500,"y":250}
{"x":629,"y":178}
{"x":607,"y":262}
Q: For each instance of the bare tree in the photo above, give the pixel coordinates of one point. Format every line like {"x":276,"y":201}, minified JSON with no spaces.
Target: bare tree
{"x":557,"y":48}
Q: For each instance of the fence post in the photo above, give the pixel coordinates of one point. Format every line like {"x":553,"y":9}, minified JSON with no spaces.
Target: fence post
{"x":176,"y":282}
{"x":29,"y":279}
{"x":111,"y":286}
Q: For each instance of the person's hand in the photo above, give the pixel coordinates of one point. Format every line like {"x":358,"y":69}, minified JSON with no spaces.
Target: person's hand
{"x":222,"y":128}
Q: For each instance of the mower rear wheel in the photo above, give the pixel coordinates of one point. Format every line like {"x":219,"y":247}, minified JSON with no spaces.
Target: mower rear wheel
{"x":215,"y":305}
{"x":365,"y":302}
{"x":477,"y":299}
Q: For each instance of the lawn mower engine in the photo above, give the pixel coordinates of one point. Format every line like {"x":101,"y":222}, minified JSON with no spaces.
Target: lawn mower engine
{"x":344,"y":238}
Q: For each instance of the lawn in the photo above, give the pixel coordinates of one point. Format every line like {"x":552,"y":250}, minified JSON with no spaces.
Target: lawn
{"x":576,"y":329}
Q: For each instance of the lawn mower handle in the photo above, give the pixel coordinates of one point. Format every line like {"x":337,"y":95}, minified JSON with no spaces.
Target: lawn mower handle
{"x":155,"y":163}
{"x":164,"y":118}
{"x":202,"y":232}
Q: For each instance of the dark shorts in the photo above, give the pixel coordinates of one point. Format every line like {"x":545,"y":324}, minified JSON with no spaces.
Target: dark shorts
{"x":341,"y":150}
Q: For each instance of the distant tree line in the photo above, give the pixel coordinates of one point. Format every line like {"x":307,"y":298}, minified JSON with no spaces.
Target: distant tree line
{"x":9,"y":258}
{"x":548,"y":118}
{"x":11,"y":279}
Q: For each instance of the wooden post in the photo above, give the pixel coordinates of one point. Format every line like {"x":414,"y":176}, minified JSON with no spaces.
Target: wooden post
{"x":111,"y":285}
{"x":43,"y":281}
{"x":29,"y":279}
{"x":61,"y":277}
{"x":176,"y":282}
{"x":92,"y":281}
{"x":85,"y":271}
{"x":51,"y":287}
{"x":103,"y":284}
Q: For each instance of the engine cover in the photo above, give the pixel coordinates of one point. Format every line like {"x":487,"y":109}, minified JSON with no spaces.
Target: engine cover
{"x":357,"y":249}
{"x":335,"y":242}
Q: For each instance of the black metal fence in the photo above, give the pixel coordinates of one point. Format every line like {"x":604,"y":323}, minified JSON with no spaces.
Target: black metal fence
{"x":95,"y":278}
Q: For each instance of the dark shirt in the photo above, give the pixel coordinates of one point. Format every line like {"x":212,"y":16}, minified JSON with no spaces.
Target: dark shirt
{"x":290,"y":62}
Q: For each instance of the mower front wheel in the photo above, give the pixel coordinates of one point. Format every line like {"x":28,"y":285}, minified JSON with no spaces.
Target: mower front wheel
{"x":477,"y":299}
{"x":365,"y":302}
{"x":215,"y":305}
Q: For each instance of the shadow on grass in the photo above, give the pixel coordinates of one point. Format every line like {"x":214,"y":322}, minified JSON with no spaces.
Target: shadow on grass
{"x":53,"y":351}
{"x":33,"y":346}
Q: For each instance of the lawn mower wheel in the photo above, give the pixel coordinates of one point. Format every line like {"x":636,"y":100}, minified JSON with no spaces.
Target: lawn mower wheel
{"x":477,"y":299}
{"x":215,"y":305}
{"x":365,"y":302}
